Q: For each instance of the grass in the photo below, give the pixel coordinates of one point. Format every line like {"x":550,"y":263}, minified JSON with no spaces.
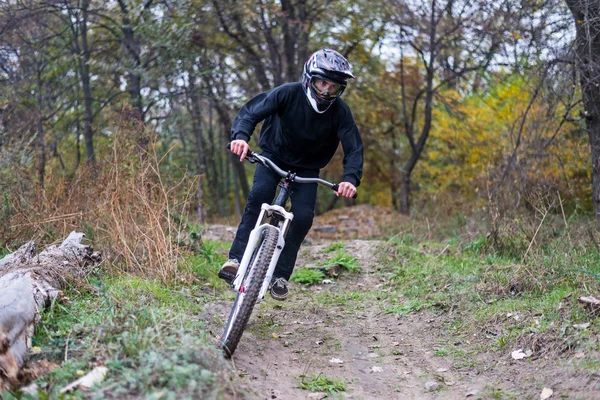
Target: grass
{"x":335,"y":247}
{"x":205,"y":265}
{"x":321,"y":383}
{"x":345,"y":260}
{"x":440,"y":352}
{"x":307,"y":276}
{"x":499,"y":295}
{"x":145,"y":331}
{"x":352,"y":300}
{"x":406,"y":307}
{"x":341,"y":258}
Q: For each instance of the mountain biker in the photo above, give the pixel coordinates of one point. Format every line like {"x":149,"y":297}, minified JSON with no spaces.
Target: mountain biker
{"x":304,"y":122}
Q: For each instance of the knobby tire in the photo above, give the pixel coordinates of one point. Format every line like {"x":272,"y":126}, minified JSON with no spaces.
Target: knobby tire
{"x":253,"y":284}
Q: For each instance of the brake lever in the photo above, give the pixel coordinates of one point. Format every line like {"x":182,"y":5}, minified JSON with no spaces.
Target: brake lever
{"x":251,"y":156}
{"x":252,"y":159}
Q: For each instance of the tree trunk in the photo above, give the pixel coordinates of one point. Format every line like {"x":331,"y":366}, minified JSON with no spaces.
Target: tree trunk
{"x":29,"y":283}
{"x":405,"y":175}
{"x":236,"y":196}
{"x":587,"y":26}
{"x":404,"y":206}
{"x":40,"y":143}
{"x":88,"y":133}
{"x":200,"y":204}
{"x":394,"y":179}
{"x":238,"y":167}
{"x":194,"y":108}
{"x":134,"y":78}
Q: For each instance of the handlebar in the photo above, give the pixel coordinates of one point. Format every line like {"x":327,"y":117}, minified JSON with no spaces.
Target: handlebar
{"x":253,"y":158}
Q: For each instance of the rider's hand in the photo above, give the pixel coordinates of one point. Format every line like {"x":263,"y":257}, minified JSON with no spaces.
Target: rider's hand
{"x":346,"y":189}
{"x":239,"y":147}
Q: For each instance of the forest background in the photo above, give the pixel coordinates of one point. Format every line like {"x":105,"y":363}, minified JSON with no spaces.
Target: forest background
{"x":114,"y":116}
{"x":481,"y":126}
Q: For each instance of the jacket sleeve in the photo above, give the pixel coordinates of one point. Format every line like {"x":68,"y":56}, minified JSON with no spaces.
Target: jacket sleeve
{"x":253,"y":112}
{"x":353,"y":150}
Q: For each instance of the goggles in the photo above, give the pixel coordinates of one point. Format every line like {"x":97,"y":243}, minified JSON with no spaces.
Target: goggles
{"x":326,"y":89}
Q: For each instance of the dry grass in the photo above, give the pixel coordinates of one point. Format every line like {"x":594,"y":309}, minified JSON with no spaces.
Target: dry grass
{"x":122,"y":203}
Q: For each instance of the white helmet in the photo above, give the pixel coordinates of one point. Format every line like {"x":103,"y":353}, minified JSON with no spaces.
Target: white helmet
{"x":328,"y":65}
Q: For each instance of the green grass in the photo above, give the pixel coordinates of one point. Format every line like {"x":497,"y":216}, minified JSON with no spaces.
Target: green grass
{"x":205,"y":264}
{"x":485,"y":289}
{"x":440,"y":352}
{"x":352,"y":299}
{"x":147,"y":333}
{"x":264,"y":326}
{"x":307,"y":276}
{"x":343,"y":259}
{"x":321,"y":383}
{"x":335,"y":247}
{"x":406,"y":307}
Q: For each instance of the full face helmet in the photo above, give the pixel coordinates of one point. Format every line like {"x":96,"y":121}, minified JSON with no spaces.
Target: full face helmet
{"x":324,"y":78}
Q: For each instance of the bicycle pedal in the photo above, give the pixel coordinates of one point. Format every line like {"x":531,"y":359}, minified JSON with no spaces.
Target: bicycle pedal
{"x":227,"y":276}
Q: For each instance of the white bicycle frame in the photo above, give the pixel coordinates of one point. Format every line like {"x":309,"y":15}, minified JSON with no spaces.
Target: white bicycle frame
{"x":254,"y":241}
{"x":280,"y":220}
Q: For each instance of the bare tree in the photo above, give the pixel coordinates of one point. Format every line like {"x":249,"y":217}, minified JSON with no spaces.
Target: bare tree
{"x":441,"y":44}
{"x":586,"y":14}
{"x":37,"y":77}
{"x":271,"y":38}
{"x":79,"y":31}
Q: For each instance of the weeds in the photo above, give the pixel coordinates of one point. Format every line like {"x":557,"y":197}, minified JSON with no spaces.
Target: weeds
{"x":335,"y":247}
{"x":126,"y":204}
{"x":320,"y":383}
{"x":413,"y":305}
{"x":509,"y":298}
{"x":307,"y":276}
{"x":182,"y":368}
{"x":343,"y":259}
{"x":204,"y":265}
{"x":143,"y":330}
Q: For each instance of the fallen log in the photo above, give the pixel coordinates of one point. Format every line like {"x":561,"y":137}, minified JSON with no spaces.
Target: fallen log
{"x":28,"y":284}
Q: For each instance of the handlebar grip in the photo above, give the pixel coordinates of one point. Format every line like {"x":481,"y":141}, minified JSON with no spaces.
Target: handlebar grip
{"x":250,"y":152}
{"x":336,"y":188}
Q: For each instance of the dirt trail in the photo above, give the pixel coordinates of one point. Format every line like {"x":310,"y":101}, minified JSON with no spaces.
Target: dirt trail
{"x":383,"y":356}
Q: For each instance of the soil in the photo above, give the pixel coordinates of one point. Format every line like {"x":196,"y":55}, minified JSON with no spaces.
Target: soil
{"x":378,"y":355}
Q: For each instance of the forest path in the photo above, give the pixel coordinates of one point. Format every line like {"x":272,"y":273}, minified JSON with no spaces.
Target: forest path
{"x":342,"y":331}
{"x":384,"y":355}
{"x":359,"y":330}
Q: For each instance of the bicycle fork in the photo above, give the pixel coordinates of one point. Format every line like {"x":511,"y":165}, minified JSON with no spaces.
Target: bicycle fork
{"x":254,"y":241}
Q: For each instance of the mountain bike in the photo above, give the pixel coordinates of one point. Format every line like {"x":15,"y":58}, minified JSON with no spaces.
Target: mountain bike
{"x":265,"y":244}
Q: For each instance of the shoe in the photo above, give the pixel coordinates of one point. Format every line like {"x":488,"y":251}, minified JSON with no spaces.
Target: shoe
{"x":279,"y":289}
{"x":229,"y":270}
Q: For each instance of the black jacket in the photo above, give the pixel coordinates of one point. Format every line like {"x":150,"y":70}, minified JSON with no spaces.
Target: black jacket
{"x":297,"y":135}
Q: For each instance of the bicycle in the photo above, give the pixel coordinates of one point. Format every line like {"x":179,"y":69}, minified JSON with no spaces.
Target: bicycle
{"x":265,"y":244}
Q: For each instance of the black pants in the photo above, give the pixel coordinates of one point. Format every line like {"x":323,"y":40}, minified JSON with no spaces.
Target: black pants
{"x":303,"y":198}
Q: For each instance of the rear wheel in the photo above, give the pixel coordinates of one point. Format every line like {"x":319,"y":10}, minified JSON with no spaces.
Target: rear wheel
{"x":248,"y":293}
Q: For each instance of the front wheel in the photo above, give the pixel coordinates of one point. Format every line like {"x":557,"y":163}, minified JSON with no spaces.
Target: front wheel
{"x":249,"y":291}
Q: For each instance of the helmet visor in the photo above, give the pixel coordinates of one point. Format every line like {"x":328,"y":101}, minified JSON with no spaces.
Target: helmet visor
{"x":326,"y":89}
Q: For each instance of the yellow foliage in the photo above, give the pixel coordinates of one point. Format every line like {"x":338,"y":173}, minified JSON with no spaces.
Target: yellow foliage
{"x":476,"y":137}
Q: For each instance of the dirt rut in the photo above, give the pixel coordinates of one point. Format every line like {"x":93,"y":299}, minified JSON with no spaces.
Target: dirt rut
{"x":316,"y":332}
